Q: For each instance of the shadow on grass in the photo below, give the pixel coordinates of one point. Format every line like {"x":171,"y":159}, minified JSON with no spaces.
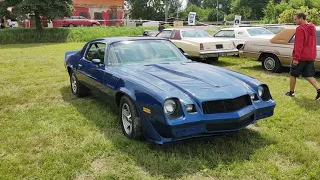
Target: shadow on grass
{"x":172,"y":160}
{"x":308,"y":103}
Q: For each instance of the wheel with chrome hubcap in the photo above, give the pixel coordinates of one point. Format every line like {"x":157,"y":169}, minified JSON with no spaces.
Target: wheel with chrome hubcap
{"x":270,"y":62}
{"x":130,"y":121}
{"x":76,"y":88}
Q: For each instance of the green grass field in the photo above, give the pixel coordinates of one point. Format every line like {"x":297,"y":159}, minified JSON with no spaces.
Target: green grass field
{"x":47,"y":133}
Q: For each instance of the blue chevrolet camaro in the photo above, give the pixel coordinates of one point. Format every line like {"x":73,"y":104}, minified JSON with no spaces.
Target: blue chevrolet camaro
{"x":162,"y":95}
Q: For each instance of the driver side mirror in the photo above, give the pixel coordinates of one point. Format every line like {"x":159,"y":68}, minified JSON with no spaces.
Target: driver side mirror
{"x":96,"y":61}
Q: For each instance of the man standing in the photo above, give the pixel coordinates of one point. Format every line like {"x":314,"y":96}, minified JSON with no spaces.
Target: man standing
{"x":161,"y":27}
{"x":304,"y":54}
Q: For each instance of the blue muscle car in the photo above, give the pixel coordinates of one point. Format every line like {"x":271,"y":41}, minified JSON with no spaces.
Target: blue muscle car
{"x":162,"y":95}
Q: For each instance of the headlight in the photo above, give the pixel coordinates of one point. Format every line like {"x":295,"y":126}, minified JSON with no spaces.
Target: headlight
{"x":260,"y":91}
{"x":170,"y":106}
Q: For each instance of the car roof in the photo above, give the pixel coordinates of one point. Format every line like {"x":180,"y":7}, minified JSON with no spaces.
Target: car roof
{"x":234,"y":28}
{"x":126,"y":38}
{"x":183,"y":28}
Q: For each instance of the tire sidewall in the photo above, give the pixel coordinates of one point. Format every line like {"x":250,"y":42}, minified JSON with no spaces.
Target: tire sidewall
{"x":277,"y":64}
{"x":136,"y":125}
{"x":72,"y":74}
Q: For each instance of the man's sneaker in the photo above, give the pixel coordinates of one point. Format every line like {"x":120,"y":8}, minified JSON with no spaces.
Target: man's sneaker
{"x":291,"y":94}
{"x":318,"y":95}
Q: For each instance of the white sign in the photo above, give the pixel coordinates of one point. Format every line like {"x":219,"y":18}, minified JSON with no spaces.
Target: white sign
{"x":192,"y":18}
{"x":237,"y":20}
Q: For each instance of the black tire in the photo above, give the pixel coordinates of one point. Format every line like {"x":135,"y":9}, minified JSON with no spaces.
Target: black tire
{"x":76,"y":88}
{"x":239,"y":46}
{"x":71,"y":25}
{"x":270,"y":62}
{"x":134,"y":130}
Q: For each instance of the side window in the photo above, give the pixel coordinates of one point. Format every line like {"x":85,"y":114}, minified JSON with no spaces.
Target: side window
{"x":225,"y":33}
{"x":318,"y":38}
{"x":96,"y":51}
{"x":292,"y":39}
{"x":165,"y":34}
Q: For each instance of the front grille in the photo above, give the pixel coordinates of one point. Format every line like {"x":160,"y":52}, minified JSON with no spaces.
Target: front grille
{"x":231,"y":125}
{"x":225,"y":106}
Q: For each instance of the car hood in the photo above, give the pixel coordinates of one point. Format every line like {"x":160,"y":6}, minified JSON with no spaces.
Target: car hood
{"x":196,"y":80}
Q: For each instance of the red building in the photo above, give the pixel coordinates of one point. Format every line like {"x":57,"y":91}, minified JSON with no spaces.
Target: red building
{"x":107,"y":12}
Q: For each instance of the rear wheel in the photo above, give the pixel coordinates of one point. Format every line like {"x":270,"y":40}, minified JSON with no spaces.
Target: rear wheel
{"x":270,"y":62}
{"x":94,"y":25}
{"x":76,"y":88}
{"x":71,"y":25}
{"x":239,"y":46}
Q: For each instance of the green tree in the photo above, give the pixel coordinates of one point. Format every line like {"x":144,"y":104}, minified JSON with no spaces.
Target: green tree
{"x":47,"y":8}
{"x":273,"y":10}
{"x":212,"y":16}
{"x":212,"y":4}
{"x":202,"y":14}
{"x":313,"y":15}
{"x":152,"y":9}
{"x":249,"y":9}
{"x":195,"y":2}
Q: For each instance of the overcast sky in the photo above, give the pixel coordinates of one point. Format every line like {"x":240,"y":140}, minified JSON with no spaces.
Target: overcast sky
{"x":184,"y":4}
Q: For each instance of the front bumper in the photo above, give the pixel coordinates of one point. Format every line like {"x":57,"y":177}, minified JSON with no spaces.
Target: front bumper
{"x":218,"y":53}
{"x":211,"y":125}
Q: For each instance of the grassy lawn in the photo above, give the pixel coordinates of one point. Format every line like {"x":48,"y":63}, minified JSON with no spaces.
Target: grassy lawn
{"x":47,"y":133}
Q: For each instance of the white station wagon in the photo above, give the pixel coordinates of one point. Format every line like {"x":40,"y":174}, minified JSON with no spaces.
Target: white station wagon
{"x":239,"y":35}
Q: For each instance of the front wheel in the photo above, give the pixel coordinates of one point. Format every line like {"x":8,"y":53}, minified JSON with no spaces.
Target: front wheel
{"x":270,"y":62}
{"x":130,"y":121}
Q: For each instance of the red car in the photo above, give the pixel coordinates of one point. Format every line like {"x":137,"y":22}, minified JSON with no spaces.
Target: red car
{"x":74,"y":21}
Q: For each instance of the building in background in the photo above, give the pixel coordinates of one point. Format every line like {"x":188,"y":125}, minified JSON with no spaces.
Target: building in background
{"x":107,"y":12}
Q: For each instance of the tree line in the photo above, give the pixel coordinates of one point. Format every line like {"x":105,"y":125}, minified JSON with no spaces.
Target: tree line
{"x":266,"y":11}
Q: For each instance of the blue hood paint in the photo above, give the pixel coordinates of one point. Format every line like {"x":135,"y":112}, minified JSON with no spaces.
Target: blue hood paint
{"x":180,"y":79}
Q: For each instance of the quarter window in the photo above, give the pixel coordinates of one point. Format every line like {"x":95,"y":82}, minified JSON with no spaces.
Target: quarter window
{"x":96,"y":51}
{"x":225,"y":33}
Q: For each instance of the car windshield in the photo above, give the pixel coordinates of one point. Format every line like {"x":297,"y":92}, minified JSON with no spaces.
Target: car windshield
{"x":195,"y":33}
{"x":144,"y":51}
{"x":259,"y":31}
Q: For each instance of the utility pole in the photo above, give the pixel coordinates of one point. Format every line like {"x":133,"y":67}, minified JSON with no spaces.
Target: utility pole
{"x":217,"y":11}
{"x":166,"y":11}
